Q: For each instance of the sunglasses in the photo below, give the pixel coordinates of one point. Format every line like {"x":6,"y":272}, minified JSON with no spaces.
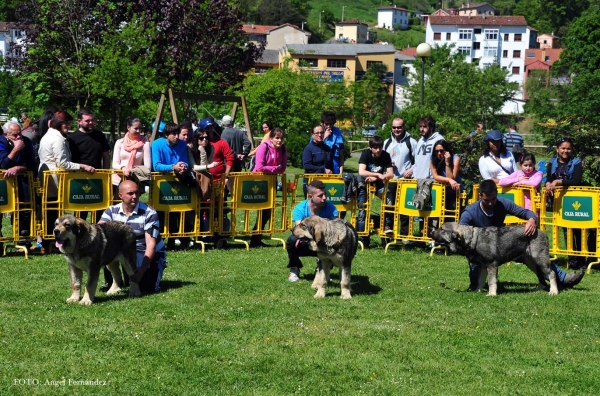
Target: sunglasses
{"x":202,"y":137}
{"x":440,"y":151}
{"x":398,"y":127}
{"x":564,"y":140}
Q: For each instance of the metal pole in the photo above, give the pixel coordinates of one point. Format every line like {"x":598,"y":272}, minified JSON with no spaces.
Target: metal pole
{"x":422,"y":81}
{"x":343,"y":13}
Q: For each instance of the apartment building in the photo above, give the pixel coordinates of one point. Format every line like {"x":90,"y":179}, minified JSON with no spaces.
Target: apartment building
{"x":486,"y":40}
{"x":392,"y":17}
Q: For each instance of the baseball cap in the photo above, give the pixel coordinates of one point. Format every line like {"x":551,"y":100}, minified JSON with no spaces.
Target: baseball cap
{"x":494,"y":134}
{"x":227,"y":120}
{"x":205,"y":122}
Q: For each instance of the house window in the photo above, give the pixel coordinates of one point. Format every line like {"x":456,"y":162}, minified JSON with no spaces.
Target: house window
{"x":490,"y":51}
{"x":465,"y":34}
{"x":505,"y":54}
{"x":448,"y":36}
{"x":261,"y":69}
{"x":518,"y":36}
{"x":491,"y":34}
{"x":437,"y":36}
{"x":531,"y":55}
{"x":371,"y":63}
{"x":336,"y":63}
{"x":477,"y":31}
{"x":516,"y":70}
{"x":547,"y":58}
{"x":505,"y":36}
{"x":466,"y":51}
{"x":308,"y":62}
{"x":476,"y":45}
{"x":516,"y":53}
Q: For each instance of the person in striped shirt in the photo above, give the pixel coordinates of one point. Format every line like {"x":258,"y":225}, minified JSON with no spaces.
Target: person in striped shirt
{"x":150,"y":248}
{"x":513,"y":141}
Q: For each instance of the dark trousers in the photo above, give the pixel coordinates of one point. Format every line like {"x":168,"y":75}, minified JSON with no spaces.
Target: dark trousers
{"x":295,"y":252}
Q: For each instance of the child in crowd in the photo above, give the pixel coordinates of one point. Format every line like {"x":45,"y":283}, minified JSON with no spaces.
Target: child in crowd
{"x":527,"y":176}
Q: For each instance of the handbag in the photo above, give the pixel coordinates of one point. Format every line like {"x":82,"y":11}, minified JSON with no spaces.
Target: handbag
{"x":204,"y":180}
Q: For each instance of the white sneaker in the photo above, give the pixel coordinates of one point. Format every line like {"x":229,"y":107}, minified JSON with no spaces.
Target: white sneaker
{"x":191,"y":244}
{"x":294,"y":275}
{"x":177,"y":242}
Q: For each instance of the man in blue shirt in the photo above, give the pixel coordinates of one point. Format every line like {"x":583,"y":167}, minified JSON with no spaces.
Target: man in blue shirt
{"x":490,"y":211}
{"x":316,"y":204}
{"x":335,"y":140}
{"x":170,"y":154}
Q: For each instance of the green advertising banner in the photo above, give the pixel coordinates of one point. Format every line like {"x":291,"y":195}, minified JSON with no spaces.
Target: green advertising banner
{"x":89,"y":193}
{"x":172,"y":192}
{"x":255,"y":194}
{"x":407,"y":191}
{"x":576,"y":209}
{"x":7,"y":194}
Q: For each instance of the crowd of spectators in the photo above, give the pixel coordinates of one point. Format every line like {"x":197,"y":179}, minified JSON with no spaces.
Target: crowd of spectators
{"x":197,"y":148}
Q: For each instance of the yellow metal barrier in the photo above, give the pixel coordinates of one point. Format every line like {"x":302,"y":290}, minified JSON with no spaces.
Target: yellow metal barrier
{"x":439,"y":212}
{"x":254,"y":202}
{"x":177,"y":206}
{"x":19,"y":204}
{"x":334,"y":185}
{"x":78,"y":192}
{"x":515,"y":194}
{"x":576,"y":209}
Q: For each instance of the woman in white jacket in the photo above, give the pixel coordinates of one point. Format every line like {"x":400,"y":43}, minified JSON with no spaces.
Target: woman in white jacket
{"x":54,"y":154}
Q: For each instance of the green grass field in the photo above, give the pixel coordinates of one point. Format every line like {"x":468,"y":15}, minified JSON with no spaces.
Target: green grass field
{"x":229,"y":322}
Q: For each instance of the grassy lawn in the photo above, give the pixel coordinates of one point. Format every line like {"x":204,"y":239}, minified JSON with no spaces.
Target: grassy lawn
{"x":229,"y":322}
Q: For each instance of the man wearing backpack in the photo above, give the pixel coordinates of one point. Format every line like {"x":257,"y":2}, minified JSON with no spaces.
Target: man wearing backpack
{"x":401,"y":147}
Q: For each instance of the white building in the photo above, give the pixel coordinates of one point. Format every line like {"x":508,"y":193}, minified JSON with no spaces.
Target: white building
{"x":486,"y":40}
{"x":8,"y":35}
{"x":392,"y":17}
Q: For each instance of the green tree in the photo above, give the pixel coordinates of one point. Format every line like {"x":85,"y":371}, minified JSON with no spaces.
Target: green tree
{"x":551,"y":16}
{"x":289,"y":99}
{"x":370,"y":97}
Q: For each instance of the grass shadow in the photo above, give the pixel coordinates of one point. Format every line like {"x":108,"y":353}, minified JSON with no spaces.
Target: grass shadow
{"x":359,"y":285}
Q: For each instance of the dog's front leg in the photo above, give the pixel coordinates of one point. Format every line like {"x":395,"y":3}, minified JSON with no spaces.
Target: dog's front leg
{"x":492,"y":272}
{"x":345,"y":281}
{"x":90,"y":287}
{"x":318,"y":273}
{"x":322,"y":278}
{"x":76,"y":277}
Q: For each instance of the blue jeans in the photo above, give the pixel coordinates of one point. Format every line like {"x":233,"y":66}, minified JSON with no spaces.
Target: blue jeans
{"x":362,"y":214}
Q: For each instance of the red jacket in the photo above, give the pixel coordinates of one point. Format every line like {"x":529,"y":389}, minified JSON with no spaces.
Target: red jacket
{"x":223,"y":155}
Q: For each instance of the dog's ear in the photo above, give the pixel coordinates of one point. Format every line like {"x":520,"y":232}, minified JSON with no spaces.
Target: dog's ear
{"x":457,"y":236}
{"x":78,"y":227}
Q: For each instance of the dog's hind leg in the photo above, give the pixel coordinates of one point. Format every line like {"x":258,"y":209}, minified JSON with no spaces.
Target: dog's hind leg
{"x":76,"y":277}
{"x":117,"y":278}
{"x":492,"y":273}
{"x":345,"y":272}
{"x":90,"y":287}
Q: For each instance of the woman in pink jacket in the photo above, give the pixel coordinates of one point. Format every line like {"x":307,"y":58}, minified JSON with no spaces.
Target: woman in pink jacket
{"x":271,"y":157}
{"x":527,"y":176}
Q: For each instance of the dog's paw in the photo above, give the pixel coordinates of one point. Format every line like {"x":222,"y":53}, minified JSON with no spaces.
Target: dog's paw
{"x":314,"y":286}
{"x":320,"y":293}
{"x":553,"y":292}
{"x":134,"y":290}
{"x":85,"y":301}
{"x":345,"y":295}
{"x":490,"y":294}
{"x":113,"y":291}
{"x":72,"y":299}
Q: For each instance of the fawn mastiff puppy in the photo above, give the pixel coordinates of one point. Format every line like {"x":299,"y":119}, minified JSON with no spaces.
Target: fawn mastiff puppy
{"x":89,"y":247}
{"x":335,"y":242}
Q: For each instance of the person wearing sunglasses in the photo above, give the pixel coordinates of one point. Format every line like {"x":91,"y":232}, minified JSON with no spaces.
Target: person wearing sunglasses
{"x":496,"y":162}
